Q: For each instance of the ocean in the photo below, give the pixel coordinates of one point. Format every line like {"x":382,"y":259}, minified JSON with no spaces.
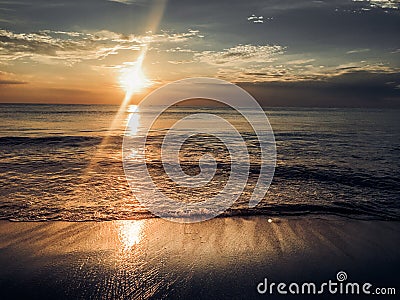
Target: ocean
{"x":64,"y":162}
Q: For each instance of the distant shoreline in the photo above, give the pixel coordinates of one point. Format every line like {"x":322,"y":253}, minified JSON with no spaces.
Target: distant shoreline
{"x":117,"y":105}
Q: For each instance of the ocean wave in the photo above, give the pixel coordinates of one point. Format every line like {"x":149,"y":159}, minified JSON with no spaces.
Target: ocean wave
{"x":344,"y":177}
{"x":282,"y":210}
{"x":340,"y":164}
{"x":50,"y":140}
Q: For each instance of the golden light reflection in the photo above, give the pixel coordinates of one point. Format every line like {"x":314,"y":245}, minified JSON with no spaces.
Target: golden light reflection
{"x":133,"y":124}
{"x":133,"y":108}
{"x":133,"y":120}
{"x":130,"y":233}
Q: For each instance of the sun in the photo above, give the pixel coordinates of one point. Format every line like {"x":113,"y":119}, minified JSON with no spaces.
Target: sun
{"x":132,"y":78}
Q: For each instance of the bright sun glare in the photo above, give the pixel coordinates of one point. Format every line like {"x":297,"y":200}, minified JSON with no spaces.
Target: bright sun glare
{"x":132,"y":79}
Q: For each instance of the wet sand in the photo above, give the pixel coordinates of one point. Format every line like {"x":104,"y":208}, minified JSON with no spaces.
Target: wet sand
{"x":224,"y":258}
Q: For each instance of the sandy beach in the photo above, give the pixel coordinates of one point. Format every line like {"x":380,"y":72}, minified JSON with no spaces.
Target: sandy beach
{"x":270,"y":127}
{"x":224,"y":258}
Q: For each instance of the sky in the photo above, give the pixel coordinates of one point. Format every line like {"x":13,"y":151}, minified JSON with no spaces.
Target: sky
{"x":337,"y":53}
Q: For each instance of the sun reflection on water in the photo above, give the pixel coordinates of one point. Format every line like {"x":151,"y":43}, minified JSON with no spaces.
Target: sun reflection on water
{"x":133,"y":108}
{"x":130,"y":233}
{"x":133,"y":120}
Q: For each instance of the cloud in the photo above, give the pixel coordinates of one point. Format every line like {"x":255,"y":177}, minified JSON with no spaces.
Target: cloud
{"x":373,"y":68}
{"x":5,"y":81}
{"x":55,"y":46}
{"x":241,"y":54}
{"x":180,"y":62}
{"x":9,"y":79}
{"x":6,"y":21}
{"x":52,"y":47}
{"x":301,"y":71}
{"x":253,"y":18}
{"x":352,"y":89}
{"x":300,"y":61}
{"x":385,"y":4}
{"x":121,"y":1}
{"x":358,"y":51}
{"x":126,"y":2}
{"x":258,"y":19}
{"x":181,"y":50}
{"x":266,"y":63}
{"x":357,"y":5}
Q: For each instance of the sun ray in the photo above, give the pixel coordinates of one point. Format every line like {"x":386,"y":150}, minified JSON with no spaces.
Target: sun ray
{"x":132,"y":80}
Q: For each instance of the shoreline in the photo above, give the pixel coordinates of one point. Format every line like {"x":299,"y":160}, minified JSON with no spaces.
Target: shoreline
{"x":231,"y":214}
{"x":220,"y":258}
